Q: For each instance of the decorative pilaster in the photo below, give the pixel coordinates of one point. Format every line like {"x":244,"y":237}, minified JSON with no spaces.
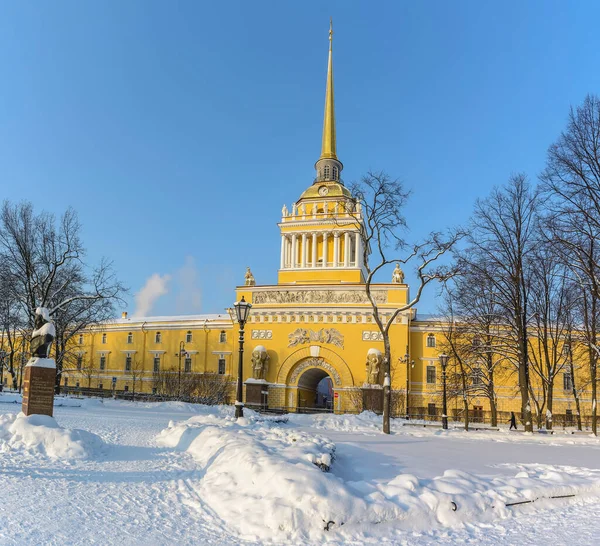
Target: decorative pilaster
{"x":304,"y":252}
{"x":346,"y":249}
{"x":282,"y":261}
{"x":336,"y":248}
{"x":294,"y":250}
{"x":325,"y":249}
{"x":314,"y":249}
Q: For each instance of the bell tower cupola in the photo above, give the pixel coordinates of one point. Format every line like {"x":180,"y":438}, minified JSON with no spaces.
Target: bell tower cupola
{"x":328,"y":166}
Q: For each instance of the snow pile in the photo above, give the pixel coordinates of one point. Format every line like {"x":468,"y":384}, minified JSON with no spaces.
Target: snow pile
{"x":263,"y":480}
{"x":366,"y":421}
{"x":41,"y":435}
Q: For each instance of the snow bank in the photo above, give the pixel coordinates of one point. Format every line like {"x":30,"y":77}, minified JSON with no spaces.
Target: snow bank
{"x":263,"y":480}
{"x":41,"y":435}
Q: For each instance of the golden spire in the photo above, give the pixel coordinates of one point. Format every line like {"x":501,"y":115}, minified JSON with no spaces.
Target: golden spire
{"x":328,"y":145}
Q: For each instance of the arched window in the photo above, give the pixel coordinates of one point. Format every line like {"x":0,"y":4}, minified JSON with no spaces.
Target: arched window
{"x":130,"y":338}
{"x":157,"y":338}
{"x":430,"y":340}
{"x":223,"y":337}
{"x":188,"y":337}
{"x":335,"y":173}
{"x":326,"y":172}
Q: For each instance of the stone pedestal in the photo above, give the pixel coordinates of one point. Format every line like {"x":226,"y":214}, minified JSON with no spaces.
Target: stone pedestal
{"x":373,"y":398}
{"x":257,"y":393}
{"x":38,"y":387}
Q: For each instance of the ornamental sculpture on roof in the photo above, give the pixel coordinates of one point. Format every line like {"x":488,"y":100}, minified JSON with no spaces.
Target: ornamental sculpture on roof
{"x":249,"y":278}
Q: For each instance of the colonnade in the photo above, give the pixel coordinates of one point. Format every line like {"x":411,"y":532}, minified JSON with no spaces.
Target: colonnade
{"x":300,"y":250}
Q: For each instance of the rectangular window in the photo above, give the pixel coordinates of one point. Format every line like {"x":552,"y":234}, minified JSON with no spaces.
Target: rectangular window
{"x":188,"y":337}
{"x":430,"y":340}
{"x":100,"y":386}
{"x":188,"y":365}
{"x":222,"y":366}
{"x":128,"y":363}
{"x":477,"y":377}
{"x":567,"y":381}
{"x":223,"y":337}
{"x":103,"y":362}
{"x":126,"y":388}
{"x":153,"y":390}
{"x":80,"y":339}
{"x":431,"y":374}
{"x":129,"y":338}
{"x":431,"y":410}
{"x":156,"y":363}
{"x":104,"y":339}
{"x":157,"y":337}
{"x":79,"y":362}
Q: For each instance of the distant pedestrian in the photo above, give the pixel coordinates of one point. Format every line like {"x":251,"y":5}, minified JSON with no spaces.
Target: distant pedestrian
{"x":513,"y":421}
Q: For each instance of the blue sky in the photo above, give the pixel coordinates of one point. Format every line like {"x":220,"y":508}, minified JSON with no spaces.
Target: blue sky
{"x":177,"y":130}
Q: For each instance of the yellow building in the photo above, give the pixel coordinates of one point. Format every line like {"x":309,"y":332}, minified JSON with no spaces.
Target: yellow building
{"x":315,"y":323}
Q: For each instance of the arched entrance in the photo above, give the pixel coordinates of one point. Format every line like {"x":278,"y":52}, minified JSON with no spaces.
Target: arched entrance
{"x":315,"y":391}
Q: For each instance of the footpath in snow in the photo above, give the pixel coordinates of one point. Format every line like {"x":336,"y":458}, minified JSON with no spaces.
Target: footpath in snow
{"x":138,"y":473}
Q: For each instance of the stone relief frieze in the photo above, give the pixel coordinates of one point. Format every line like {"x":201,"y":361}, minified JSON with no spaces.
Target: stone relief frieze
{"x":319,"y":363}
{"x":317,"y":296}
{"x":325,"y":335}
{"x":262,"y":334}
{"x":374,"y":335}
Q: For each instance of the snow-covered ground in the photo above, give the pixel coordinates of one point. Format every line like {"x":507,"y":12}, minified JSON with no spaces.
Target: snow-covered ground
{"x":176,"y":473}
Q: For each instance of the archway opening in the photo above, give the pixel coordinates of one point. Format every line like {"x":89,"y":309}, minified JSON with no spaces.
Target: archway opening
{"x":315,"y":391}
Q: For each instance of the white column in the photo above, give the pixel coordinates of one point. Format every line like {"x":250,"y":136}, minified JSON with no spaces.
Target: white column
{"x":294,"y":251}
{"x":357,"y":253}
{"x":282,"y":262}
{"x":314,"y":249}
{"x":303,"y":250}
{"x":325,"y":236}
{"x":346,"y":249}
{"x":336,"y":248}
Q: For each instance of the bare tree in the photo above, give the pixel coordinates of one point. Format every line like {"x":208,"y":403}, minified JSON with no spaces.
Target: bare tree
{"x":378,"y":211}
{"x":502,"y":237}
{"x":572,"y":181}
{"x":44,"y":263}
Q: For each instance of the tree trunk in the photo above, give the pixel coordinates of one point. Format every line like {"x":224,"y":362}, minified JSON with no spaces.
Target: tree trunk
{"x":549,"y":400}
{"x":575,"y":395}
{"x":387,"y":395}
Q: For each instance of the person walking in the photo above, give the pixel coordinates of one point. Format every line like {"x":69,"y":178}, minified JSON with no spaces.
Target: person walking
{"x":513,"y":421}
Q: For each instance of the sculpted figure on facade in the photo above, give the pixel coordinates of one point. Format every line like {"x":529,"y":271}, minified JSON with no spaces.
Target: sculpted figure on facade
{"x":398,"y":275}
{"x":249,"y":278}
{"x":325,"y":335}
{"x":284,"y":211}
{"x":43,"y":335}
{"x":374,"y":358}
{"x":260,"y":362}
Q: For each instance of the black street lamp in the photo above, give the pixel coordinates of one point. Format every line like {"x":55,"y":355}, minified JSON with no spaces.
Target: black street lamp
{"x":182,"y":352}
{"x":444,"y":362}
{"x":242,"y":310}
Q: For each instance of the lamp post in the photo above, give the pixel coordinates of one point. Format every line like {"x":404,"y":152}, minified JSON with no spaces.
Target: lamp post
{"x":182,"y":352}
{"x":242,"y":310}
{"x":444,"y":362}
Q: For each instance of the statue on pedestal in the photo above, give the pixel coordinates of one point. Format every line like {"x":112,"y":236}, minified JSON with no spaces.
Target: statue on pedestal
{"x":374,"y":358}
{"x":249,"y":278}
{"x":398,"y":275}
{"x":260,"y":362}
{"x":43,"y":335}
